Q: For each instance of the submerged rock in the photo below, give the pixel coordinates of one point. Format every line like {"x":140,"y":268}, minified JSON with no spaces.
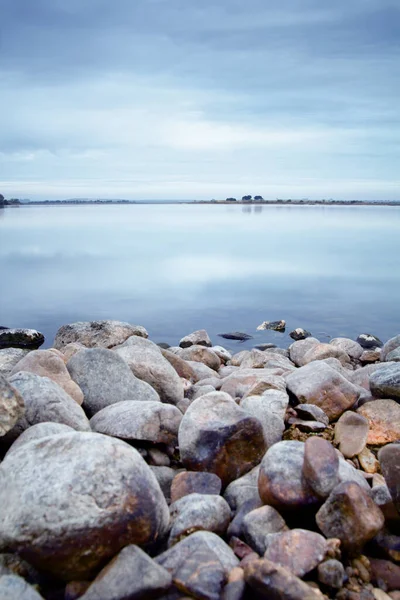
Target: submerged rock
{"x":20,"y":338}
{"x":274,"y":325}
{"x":236,"y":335}
{"x":69,"y":502}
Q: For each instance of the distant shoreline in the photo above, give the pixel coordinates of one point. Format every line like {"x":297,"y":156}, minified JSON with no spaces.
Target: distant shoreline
{"x":209,"y":202}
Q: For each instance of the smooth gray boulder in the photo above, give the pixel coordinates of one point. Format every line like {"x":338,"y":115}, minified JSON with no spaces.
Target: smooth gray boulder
{"x":9,"y":358}
{"x":201,"y":354}
{"x":70,"y":502}
{"x":259,"y":523}
{"x":38,"y":431}
{"x":385,"y":382}
{"x":199,"y":564}
{"x":131,"y":574}
{"x":317,"y":383}
{"x":350,"y":347}
{"x":148,"y":364}
{"x":298,"y":349}
{"x":390,"y":345}
{"x":97,"y":334}
{"x":242,"y":381}
{"x":217,"y":436}
{"x":198,"y":512}
{"x":44,"y":401}
{"x":105,"y":378}
{"x":147,"y":421}
{"x":269,"y":409}
{"x":201,"y":370}
{"x":243,"y":489}
{"x":197,"y":338}
{"x":394,"y":355}
{"x":13,"y":587}
{"x":12,"y":406}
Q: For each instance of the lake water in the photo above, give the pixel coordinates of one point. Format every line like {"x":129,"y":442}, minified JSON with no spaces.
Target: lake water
{"x":177,"y":268}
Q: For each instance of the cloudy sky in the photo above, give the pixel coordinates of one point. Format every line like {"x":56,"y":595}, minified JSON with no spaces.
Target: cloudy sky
{"x":200,"y":98}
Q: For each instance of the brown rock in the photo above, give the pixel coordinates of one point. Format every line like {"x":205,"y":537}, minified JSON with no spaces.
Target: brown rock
{"x":281,"y":483}
{"x":387,"y":572}
{"x":12,"y":406}
{"x":191,"y":482}
{"x":384,"y":421}
{"x":298,"y":550}
{"x":389,"y":458}
{"x":351,"y":433}
{"x":48,"y":364}
{"x":320,"y":466}
{"x":350,"y":515}
{"x":318,"y":383}
{"x":217,"y":436}
{"x":201,"y":354}
{"x":181,"y":366}
{"x":276,"y":583}
{"x":371,"y":356}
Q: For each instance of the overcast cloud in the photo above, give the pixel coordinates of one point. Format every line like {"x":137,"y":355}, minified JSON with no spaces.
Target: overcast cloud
{"x":179,"y":99}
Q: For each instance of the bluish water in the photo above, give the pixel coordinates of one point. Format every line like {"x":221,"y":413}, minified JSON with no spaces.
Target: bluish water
{"x":177,"y":268}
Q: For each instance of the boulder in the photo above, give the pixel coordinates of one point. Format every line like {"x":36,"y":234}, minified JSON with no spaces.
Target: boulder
{"x":9,"y":358}
{"x":281,"y":483}
{"x":390,"y":345}
{"x":20,"y":338}
{"x":239,"y":383}
{"x":97,"y":334}
{"x":105,"y":379}
{"x":361,"y":376}
{"x":371,"y":356}
{"x":350,"y":515}
{"x":181,"y":366}
{"x":223,"y":354}
{"x":351,"y":433}
{"x":190,"y":482}
{"x":12,"y":406}
{"x":217,"y":436}
{"x":384,"y":421}
{"x":298,"y":350}
{"x":197,"y":338}
{"x":274,"y":582}
{"x":202,"y":355}
{"x":200,"y":565}
{"x":394,"y":355}
{"x":320,"y":466}
{"x":13,"y":587}
{"x":348,"y":346}
{"x":266,"y":360}
{"x":47,"y":364}
{"x":44,"y":401}
{"x":148,"y":364}
{"x":322,"y":351}
{"x":389,"y":458}
{"x":198,"y":512}
{"x":131,"y":574}
{"x":39,"y":431}
{"x":385,"y":382}
{"x":70,"y":349}
{"x":237,"y":358}
{"x":299,"y":550}
{"x":299,"y":334}
{"x":369,"y":341}
{"x":201,"y":371}
{"x":243,"y":489}
{"x":70,"y":502}
{"x":259,"y":523}
{"x":269,"y":409}
{"x":317,"y":383}
{"x":146,"y":421}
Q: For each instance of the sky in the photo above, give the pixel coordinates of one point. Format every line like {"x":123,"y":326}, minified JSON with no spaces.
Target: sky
{"x":189,"y":99}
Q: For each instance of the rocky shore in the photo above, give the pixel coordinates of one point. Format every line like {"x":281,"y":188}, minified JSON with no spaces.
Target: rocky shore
{"x":134,"y":471}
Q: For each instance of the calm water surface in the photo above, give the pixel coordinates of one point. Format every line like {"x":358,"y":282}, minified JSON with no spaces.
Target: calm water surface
{"x":177,"y":268}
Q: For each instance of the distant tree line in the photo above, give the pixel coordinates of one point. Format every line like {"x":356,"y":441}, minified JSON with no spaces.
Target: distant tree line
{"x":248,"y":198}
{"x":10,"y":202}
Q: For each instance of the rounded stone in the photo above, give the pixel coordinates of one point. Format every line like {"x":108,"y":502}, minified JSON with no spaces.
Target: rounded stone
{"x":69,"y":502}
{"x":269,"y":409}
{"x":190,"y":482}
{"x":331,"y":573}
{"x":390,"y":345}
{"x":274,"y":582}
{"x":217,"y":436}
{"x":320,"y":466}
{"x":259,"y":523}
{"x":97,"y":334}
{"x":389,"y":458}
{"x":39,"y":431}
{"x":351,"y":433}
{"x":197,"y":338}
{"x":384,"y":421}
{"x":47,"y":364}
{"x":201,"y":354}
{"x":20,"y":338}
{"x":368,"y":341}
{"x":147,"y":421}
{"x":12,"y":406}
{"x":299,"y":550}
{"x":9,"y":357}
{"x":281,"y":483}
{"x":385,"y":382}
{"x":350,"y":347}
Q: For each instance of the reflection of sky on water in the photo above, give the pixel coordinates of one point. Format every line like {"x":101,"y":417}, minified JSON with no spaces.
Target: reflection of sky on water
{"x":176,"y":268}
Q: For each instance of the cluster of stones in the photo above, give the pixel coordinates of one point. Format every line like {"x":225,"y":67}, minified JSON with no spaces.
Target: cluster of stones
{"x":131,"y":471}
